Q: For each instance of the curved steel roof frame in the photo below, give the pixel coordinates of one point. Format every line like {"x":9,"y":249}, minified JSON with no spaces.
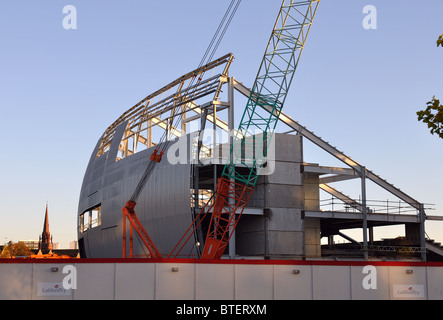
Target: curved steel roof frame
{"x":152,"y":111}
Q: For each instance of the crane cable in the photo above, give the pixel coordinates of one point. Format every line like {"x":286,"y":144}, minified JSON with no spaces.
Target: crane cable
{"x":231,"y":10}
{"x":205,"y":60}
{"x":223,"y":22}
{"x":164,"y":140}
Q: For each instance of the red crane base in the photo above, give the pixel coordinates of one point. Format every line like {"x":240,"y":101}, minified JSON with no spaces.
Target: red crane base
{"x":230,"y":201}
{"x":129,"y":213}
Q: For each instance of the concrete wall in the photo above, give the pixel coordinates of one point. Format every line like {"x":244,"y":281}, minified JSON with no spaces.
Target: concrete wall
{"x":279,"y":234}
{"x":227,"y":280}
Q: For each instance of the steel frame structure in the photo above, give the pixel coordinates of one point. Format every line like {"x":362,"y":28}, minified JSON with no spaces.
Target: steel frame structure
{"x":161,"y":112}
{"x":353,"y":170}
{"x":271,"y":86}
{"x":259,"y":119}
{"x":337,"y":174}
{"x":264,"y":109}
{"x":173,"y":101}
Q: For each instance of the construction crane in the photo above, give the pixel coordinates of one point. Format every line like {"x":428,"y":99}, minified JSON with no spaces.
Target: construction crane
{"x":255,"y":132}
{"x":256,"y":127}
{"x":128,"y":210}
{"x":259,"y":121}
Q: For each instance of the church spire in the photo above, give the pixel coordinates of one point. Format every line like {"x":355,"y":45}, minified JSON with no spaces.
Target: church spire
{"x":45,"y":239}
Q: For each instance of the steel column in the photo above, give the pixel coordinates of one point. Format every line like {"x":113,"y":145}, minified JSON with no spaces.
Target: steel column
{"x":364,"y":212}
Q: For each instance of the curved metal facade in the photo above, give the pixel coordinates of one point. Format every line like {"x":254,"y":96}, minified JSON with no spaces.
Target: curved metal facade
{"x":122,"y":155}
{"x":108,"y":184}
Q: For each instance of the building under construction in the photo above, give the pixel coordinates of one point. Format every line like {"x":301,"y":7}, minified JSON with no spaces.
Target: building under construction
{"x":187,"y":134}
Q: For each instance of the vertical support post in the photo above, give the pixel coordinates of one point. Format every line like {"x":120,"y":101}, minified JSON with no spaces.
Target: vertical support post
{"x":90,"y":219}
{"x":184,"y":120}
{"x":196,"y":188}
{"x":214,"y":143}
{"x":168,"y":128}
{"x":364,"y":209}
{"x":203,"y":118}
{"x":131,"y":242}
{"x":124,"y":236}
{"x":232,"y":251}
{"x":371,"y":235}
{"x":331,"y":241}
{"x":231,"y":81}
{"x":130,"y":238}
{"x":422,"y":232}
{"x":149,"y":133}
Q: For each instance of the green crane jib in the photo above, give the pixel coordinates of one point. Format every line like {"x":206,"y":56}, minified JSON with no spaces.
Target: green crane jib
{"x":258,"y":123}
{"x":255,"y":131}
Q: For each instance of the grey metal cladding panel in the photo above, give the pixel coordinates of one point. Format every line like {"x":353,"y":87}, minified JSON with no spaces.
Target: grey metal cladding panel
{"x":113,"y":176}
{"x":94,"y":241}
{"x":164,"y":206}
{"x":111,"y":209}
{"x":90,"y":166}
{"x":118,"y":135}
{"x":89,"y":200}
{"x":92,"y":184}
{"x":98,"y":168}
{"x":112,"y":243}
{"x":119,"y":180}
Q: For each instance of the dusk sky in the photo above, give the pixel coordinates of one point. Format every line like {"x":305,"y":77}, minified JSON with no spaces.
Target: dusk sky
{"x":60,"y":89}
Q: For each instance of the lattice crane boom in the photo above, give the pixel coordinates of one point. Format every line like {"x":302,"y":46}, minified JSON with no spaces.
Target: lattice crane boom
{"x":259,"y":120}
{"x":255,"y":131}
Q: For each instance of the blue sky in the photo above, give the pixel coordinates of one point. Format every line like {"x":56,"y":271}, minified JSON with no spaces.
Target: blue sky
{"x":60,"y":89}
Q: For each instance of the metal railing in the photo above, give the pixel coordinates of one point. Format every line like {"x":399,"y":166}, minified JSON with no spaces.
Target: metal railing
{"x":334,"y":204}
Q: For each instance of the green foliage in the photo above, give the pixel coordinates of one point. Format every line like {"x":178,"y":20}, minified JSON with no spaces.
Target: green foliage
{"x":15,"y":250}
{"x":433,"y":114}
{"x":433,"y":117}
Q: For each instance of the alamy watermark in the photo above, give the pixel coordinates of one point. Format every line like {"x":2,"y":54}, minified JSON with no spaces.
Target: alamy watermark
{"x":255,"y":150}
{"x":370,"y":20}
{"x":70,"y":280}
{"x":70,"y":17}
{"x":370,"y":280}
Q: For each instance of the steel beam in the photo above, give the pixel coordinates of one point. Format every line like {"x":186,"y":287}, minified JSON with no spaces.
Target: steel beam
{"x":336,"y":153}
{"x":371,"y":217}
{"x":339,"y":195}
